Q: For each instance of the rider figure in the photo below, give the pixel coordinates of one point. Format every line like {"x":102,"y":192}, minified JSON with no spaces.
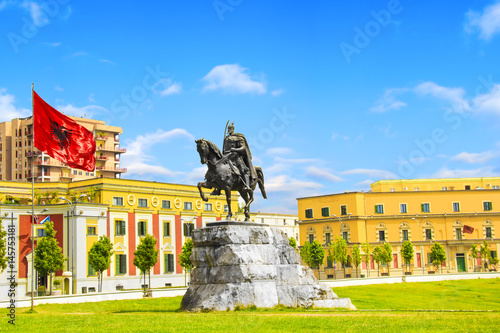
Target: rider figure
{"x":236,"y":148}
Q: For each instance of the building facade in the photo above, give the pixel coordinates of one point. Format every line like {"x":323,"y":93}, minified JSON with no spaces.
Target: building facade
{"x":424,"y":211}
{"x":125,"y":211}
{"x":17,"y":155}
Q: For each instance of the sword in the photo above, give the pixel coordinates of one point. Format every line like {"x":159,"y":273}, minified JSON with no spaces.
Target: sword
{"x":225,"y":129}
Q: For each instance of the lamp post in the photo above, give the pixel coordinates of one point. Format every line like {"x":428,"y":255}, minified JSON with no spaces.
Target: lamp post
{"x":72,"y":206}
{"x":35,"y":218}
{"x":421,"y":244}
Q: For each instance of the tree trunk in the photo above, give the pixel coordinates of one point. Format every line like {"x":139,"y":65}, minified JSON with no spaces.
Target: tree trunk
{"x":50,"y":281}
{"x":149,"y":284}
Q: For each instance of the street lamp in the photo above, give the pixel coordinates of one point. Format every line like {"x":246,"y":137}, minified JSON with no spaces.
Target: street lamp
{"x":72,"y":206}
{"x":34,"y":218}
{"x":421,"y":244}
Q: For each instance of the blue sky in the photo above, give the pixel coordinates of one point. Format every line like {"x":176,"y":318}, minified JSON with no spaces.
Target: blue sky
{"x":331,"y":95}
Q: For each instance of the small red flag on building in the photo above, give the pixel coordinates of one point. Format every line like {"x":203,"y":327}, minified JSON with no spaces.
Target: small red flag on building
{"x":61,"y":137}
{"x":468,"y":230}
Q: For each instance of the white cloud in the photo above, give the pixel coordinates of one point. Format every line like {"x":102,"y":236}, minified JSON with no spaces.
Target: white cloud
{"x":487,"y":22}
{"x":174,"y":89}
{"x":454,"y":96}
{"x":141,"y":168}
{"x":389,"y":101}
{"x":232,"y":78}
{"x":279,"y":151}
{"x":58,"y":88}
{"x":37,"y":13}
{"x":444,"y":172}
{"x":488,"y":102}
{"x":137,"y":147}
{"x":284,"y":183}
{"x":296,"y":160}
{"x":56,"y":44}
{"x":277,"y":92}
{"x":371,"y":173}
{"x":323,"y":174}
{"x":107,"y":61}
{"x":475,"y":158}
{"x":365,"y":183}
{"x":79,"y":54}
{"x":336,"y":135}
{"x":88,"y":111}
{"x":8,"y":110}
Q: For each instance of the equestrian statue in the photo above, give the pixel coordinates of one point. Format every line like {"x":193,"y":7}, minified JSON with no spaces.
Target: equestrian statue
{"x":231,"y":170}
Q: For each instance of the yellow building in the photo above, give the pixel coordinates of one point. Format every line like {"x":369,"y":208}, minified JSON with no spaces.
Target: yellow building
{"x":16,"y":153}
{"x":424,"y":211}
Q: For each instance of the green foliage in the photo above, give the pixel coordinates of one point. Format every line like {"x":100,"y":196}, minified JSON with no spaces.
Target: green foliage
{"x":485,"y":254}
{"x":3,"y":248}
{"x":474,"y":253}
{"x":293,"y":242}
{"x":356,"y":257}
{"x":338,"y":252}
{"x":438,"y":256}
{"x":184,"y":259}
{"x":48,"y":254}
{"x":146,"y":255}
{"x":305,"y":253}
{"x":100,"y":257}
{"x":367,"y":251}
{"x":378,"y":256}
{"x":317,"y":254}
{"x":387,"y":256}
{"x":407,"y":252}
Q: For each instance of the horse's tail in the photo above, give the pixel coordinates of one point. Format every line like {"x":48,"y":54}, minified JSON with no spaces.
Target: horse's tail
{"x":260,"y":180}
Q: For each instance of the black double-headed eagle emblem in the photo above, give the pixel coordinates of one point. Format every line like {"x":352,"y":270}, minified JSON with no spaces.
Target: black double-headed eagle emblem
{"x":61,"y":134}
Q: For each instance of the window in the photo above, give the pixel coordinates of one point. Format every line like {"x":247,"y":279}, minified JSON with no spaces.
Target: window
{"x":40,"y":232}
{"x":166,"y":229}
{"x":328,"y":238}
{"x":121,"y":264}
{"x":165,"y":204}
{"x":493,"y":254}
{"x":309,"y":213}
{"x":325,"y":211}
{"x":487,"y":205}
{"x":142,"y":203}
{"x":188,"y":229}
{"x":311,"y":238}
{"x":381,"y":236}
{"x":329,"y":263}
{"x":444,"y":188}
{"x":429,"y":258}
{"x":416,"y":189}
{"x":226,"y":209}
{"x":458,"y":232}
{"x":428,"y":234}
{"x":208,"y":207}
{"x":91,"y":269}
{"x":426,"y":207}
{"x":494,"y":187}
{"x":467,"y":187}
{"x":405,"y":235}
{"x":119,"y":228}
{"x":169,"y":263}
{"x":188,"y":206}
{"x":91,"y":230}
{"x":488,"y":232}
{"x":142,"y":228}
{"x":345,"y":236}
{"x":379,"y":209}
{"x":343,"y":210}
{"x":403,"y":209}
{"x":392,"y":190}
{"x":117,"y":201}
{"x":456,"y":206}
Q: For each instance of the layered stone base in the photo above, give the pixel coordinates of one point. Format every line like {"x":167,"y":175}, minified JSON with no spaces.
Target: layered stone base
{"x":247,"y":264}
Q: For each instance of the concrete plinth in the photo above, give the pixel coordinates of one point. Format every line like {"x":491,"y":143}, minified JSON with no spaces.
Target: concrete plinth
{"x":248,"y":264}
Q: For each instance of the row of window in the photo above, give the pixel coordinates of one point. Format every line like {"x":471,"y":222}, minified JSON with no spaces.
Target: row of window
{"x":325,"y":211}
{"x":165,"y":204}
{"x":121,"y":264}
{"x":142,"y":228}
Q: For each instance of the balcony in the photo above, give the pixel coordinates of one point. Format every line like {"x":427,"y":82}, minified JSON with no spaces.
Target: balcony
{"x":66,"y":175}
{"x":51,"y":163}
{"x":101,"y":138}
{"x":102,"y":158}
{"x":113,"y":149}
{"x":113,"y":169}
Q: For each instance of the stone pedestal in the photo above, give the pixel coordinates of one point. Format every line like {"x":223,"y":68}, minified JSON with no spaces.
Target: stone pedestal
{"x":248,"y":264}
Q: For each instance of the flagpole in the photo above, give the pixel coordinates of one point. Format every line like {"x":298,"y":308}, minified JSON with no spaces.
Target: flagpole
{"x":32,"y":197}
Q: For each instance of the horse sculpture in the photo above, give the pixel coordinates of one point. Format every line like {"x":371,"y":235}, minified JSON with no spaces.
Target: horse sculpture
{"x":223,"y":175}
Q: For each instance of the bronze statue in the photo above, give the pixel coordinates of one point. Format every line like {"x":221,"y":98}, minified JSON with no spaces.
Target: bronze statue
{"x":230,"y":170}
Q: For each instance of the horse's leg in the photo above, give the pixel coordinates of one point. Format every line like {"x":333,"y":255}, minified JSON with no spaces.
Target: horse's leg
{"x":247,"y":206}
{"x":205,"y":185}
{"x":227,"y":190}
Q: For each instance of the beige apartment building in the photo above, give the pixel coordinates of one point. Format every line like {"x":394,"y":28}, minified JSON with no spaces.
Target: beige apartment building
{"x":17,"y":156}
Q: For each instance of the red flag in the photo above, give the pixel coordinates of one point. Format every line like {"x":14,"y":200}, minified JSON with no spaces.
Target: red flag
{"x":468,"y":230}
{"x":61,"y":137}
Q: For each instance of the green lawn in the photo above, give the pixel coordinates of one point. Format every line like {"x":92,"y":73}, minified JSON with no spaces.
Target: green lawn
{"x":162,"y":314}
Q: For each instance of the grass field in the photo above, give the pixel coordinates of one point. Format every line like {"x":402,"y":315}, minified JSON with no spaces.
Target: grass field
{"x":387,"y":308}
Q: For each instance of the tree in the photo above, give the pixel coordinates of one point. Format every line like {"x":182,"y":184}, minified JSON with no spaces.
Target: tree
{"x":49,"y":257}
{"x":317,"y":254}
{"x":293,"y":242}
{"x":407,"y":253}
{"x":338,"y":252}
{"x":356,"y":258}
{"x":184,"y":259}
{"x":485,"y":254}
{"x":3,"y":248}
{"x":100,"y":257}
{"x":367,"y":252}
{"x":438,"y":256}
{"x":305,"y":253}
{"x":146,"y":256}
{"x":387,"y":256}
{"x":474,"y":253}
{"x":377,"y":257}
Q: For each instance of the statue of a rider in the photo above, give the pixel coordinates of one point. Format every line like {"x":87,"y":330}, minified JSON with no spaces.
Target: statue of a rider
{"x":236,"y":149}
